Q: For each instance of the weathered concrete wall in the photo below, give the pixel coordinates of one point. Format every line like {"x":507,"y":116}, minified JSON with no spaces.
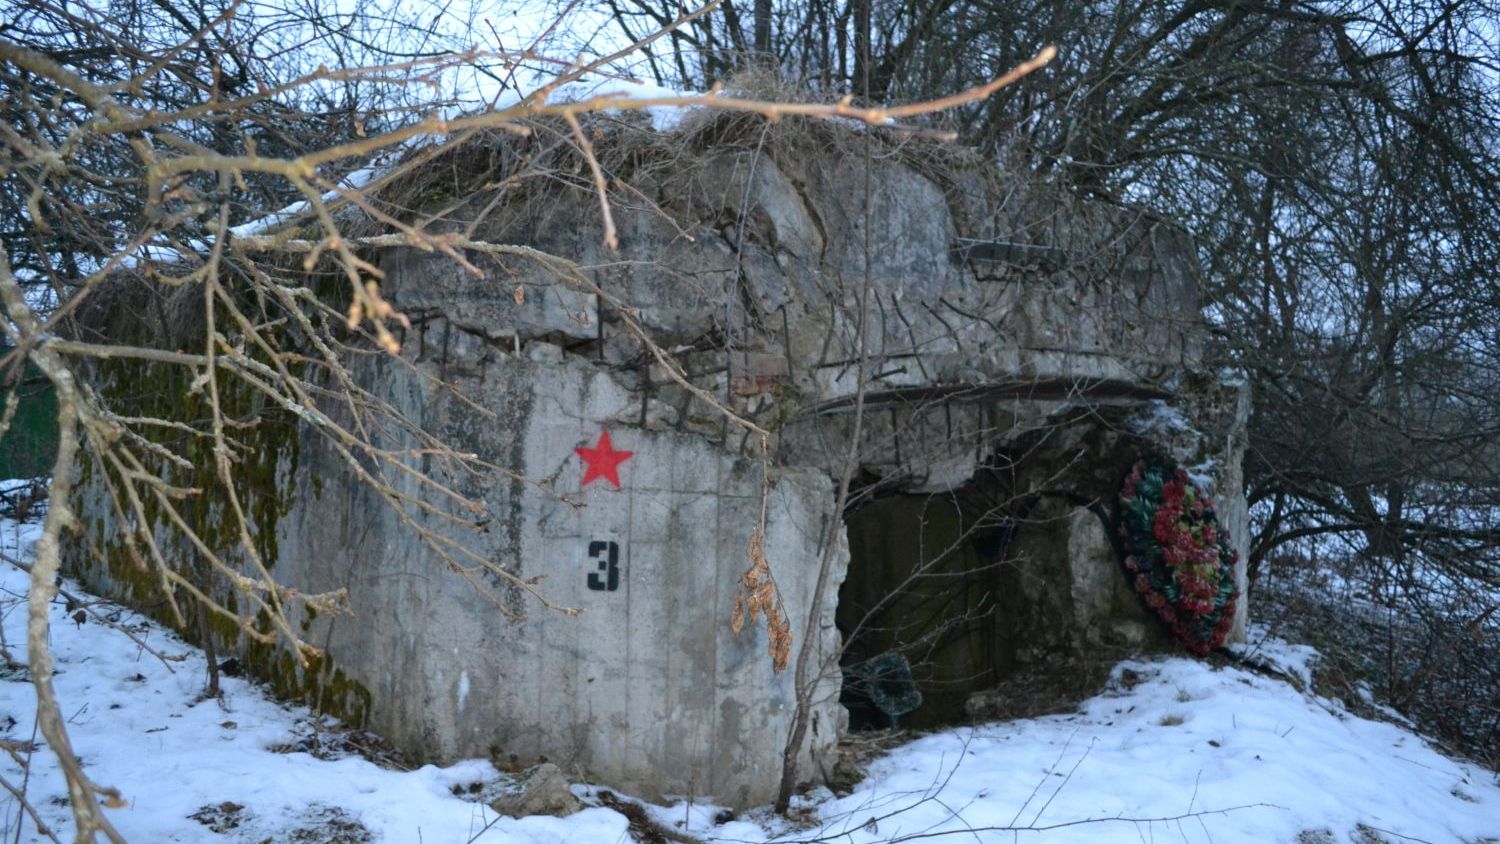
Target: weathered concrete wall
{"x":647,"y":688}
{"x":1002,"y":321}
{"x":975,"y":277}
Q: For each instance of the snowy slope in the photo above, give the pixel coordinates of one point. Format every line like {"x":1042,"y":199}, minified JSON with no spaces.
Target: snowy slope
{"x":1177,"y":751}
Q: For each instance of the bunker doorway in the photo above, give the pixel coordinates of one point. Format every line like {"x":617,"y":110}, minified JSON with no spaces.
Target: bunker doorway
{"x":922,"y":608}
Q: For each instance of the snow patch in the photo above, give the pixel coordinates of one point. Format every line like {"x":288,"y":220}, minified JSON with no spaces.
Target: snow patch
{"x":1158,"y":415}
{"x":1175,"y":749}
{"x":1290,"y":659}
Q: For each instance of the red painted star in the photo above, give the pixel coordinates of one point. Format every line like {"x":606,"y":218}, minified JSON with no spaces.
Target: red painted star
{"x":603,"y":461}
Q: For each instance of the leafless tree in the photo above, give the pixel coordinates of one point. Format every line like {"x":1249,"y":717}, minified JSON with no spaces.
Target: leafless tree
{"x":1337,"y":163}
{"x":135,"y":142}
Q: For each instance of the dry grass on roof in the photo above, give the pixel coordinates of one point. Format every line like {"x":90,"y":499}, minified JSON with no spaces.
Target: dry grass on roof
{"x":434,"y":182}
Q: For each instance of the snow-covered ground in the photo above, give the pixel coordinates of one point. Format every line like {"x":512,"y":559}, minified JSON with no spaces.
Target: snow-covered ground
{"x":1176,"y":751}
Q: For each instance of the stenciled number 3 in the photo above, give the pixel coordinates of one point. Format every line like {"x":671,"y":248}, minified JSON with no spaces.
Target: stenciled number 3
{"x":606,"y":557}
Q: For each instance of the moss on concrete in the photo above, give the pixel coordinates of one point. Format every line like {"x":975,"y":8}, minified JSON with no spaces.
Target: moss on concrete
{"x":265,"y":462}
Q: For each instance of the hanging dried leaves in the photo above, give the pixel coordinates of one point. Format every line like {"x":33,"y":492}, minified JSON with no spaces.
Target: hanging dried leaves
{"x":759,"y":596}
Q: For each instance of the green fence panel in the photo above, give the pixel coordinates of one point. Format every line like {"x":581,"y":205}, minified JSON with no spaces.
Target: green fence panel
{"x":29,"y":447}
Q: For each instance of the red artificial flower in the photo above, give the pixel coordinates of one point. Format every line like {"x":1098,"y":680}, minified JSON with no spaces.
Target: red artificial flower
{"x":1185,"y":542}
{"x":1173,"y":493}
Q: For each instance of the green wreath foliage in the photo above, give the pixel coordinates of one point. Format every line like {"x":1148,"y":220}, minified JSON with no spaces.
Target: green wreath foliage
{"x":1176,"y":556}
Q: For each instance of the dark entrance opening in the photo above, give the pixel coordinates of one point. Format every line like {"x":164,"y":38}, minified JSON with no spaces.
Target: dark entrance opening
{"x":922,"y":609}
{"x":1009,"y":585}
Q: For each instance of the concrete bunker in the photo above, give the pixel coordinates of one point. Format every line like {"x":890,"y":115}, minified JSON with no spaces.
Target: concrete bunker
{"x":1014,"y":350}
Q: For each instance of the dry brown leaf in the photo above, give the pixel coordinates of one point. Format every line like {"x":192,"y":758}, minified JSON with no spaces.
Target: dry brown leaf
{"x":737,"y":618}
{"x":781,"y":644}
{"x":759,"y":597}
